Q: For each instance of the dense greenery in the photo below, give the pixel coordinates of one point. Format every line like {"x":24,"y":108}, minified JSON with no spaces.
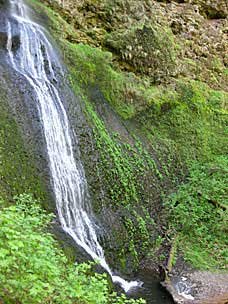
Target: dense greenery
{"x":198,"y":214}
{"x":33,"y":269}
{"x":178,"y":122}
{"x":192,"y":122}
{"x":123,"y":167}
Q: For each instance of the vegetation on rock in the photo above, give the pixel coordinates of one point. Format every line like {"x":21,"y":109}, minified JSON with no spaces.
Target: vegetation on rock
{"x":18,"y":171}
{"x":198,"y":214}
{"x":33,"y":269}
{"x":173,"y":113}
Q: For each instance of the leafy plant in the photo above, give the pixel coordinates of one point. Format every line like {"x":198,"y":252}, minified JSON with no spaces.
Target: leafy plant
{"x":198,"y":212}
{"x":33,"y":269}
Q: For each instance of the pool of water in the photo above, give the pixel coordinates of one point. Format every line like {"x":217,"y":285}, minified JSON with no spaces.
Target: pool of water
{"x":151,"y":290}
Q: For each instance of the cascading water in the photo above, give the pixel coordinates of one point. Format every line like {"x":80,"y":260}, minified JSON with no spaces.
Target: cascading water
{"x":36,"y":60}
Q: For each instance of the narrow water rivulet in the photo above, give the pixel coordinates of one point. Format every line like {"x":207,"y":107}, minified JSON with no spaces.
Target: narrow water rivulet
{"x":36,"y":60}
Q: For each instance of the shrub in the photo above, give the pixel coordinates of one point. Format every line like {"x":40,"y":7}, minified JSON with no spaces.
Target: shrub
{"x":34,"y":270}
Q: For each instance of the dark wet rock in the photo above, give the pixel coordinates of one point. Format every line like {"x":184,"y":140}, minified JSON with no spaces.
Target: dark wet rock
{"x":16,"y":41}
{"x":213,"y":9}
{"x":4,"y":4}
{"x":3,"y":40}
{"x":29,"y":152}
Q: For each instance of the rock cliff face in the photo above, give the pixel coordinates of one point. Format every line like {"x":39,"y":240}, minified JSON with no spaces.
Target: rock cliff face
{"x":162,"y":39}
{"x":152,"y":76}
{"x":23,"y":167}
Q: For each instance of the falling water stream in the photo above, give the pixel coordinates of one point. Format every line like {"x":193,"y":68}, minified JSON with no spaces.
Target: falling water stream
{"x":37,"y":61}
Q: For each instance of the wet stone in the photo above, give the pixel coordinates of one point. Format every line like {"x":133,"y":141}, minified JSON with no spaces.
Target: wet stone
{"x":3,"y":40}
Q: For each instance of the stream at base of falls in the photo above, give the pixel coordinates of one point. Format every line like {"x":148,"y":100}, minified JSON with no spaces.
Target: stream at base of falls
{"x":151,"y":291}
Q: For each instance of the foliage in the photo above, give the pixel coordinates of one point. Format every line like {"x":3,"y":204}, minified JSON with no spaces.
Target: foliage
{"x":198,"y":213}
{"x":181,"y":122}
{"x":192,"y":121}
{"x":184,"y":120}
{"x":123,"y":166}
{"x":92,"y":68}
{"x":34,"y":270}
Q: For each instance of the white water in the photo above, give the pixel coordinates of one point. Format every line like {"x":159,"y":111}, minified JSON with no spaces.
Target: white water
{"x":37,"y":61}
{"x":184,"y":290}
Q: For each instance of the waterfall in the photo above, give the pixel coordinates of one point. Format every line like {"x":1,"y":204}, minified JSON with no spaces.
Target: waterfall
{"x":36,"y":60}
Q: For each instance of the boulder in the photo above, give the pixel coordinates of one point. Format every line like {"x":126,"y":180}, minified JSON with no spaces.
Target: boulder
{"x":148,"y":49}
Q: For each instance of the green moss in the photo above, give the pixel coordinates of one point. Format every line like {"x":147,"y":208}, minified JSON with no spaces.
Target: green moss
{"x":57,"y":25}
{"x":93,"y":67}
{"x":123,"y":168}
{"x":191,"y":120}
{"x":18,"y":172}
{"x":218,"y":101}
{"x":183,"y":121}
{"x":217,"y":65}
{"x":147,"y":49}
{"x":198,"y":214}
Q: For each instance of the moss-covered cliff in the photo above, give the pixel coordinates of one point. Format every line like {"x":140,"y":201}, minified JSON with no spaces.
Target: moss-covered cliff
{"x":162,"y":39}
{"x":22,"y":165}
{"x":152,"y":81}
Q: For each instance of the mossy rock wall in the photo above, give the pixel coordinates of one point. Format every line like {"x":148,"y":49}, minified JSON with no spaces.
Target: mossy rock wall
{"x":137,"y":140}
{"x":190,"y":36}
{"x":146,"y":49}
{"x":23,"y":165}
